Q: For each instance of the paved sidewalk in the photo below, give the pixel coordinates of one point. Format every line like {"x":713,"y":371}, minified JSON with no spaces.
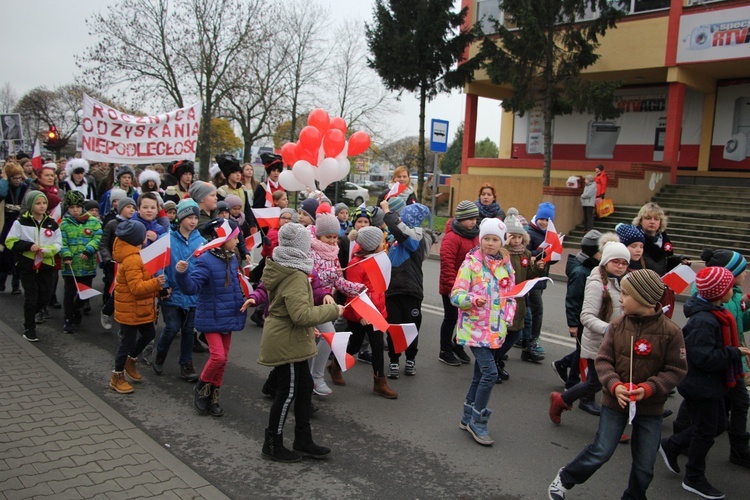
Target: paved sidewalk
{"x":59,"y":440}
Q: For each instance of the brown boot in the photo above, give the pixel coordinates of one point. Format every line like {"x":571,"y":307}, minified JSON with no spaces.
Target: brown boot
{"x":556,"y":407}
{"x":334,"y":370}
{"x":131,"y":370}
{"x":118,"y":383}
{"x":381,"y":388}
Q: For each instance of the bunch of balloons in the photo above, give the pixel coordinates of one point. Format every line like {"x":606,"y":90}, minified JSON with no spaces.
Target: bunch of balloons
{"x":321,"y":153}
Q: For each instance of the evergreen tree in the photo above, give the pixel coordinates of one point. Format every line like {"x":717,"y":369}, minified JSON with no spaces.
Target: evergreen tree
{"x":450,"y":163}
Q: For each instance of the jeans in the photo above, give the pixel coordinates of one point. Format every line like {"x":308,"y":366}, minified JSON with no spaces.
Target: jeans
{"x":571,"y":362}
{"x":485,"y":375}
{"x":294,"y":384}
{"x":218,"y":351}
{"x":72,"y":303}
{"x":707,"y":420}
{"x":37,"y":288}
{"x":527,"y":336}
{"x":403,"y":309}
{"x":511,"y":337}
{"x":644,"y":444}
{"x":586,"y":389}
{"x":177,"y":319}
{"x":133,"y":339}
{"x":536,"y":304}
{"x":448,"y":326}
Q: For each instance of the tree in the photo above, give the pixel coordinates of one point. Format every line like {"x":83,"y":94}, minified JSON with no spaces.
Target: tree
{"x":223,"y":138}
{"x":451,"y":161}
{"x":486,"y":148}
{"x":404,"y":152}
{"x":541,"y":51}
{"x":415,"y":47}
{"x":8,"y":98}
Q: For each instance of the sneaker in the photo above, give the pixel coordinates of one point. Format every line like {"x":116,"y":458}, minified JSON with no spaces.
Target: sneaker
{"x":39,"y":318}
{"x":46,"y":313}
{"x":106,"y":321}
{"x":147,"y":356}
{"x":528,"y":354}
{"x":30,"y":335}
{"x":365,"y":357}
{"x":411,"y":368}
{"x":446,"y":357}
{"x":461,"y":354}
{"x":187,"y":372}
{"x":537,"y":348}
{"x":393,"y":370}
{"x":702,"y":488}
{"x":16,"y":291}
{"x":670,"y":459}
{"x":561,"y":372}
{"x":68,"y":327}
{"x":556,"y":490}
{"x":158,"y":365}
{"x":321,"y":388}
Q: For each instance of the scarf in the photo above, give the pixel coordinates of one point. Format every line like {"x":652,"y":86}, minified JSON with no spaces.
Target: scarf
{"x":240,"y":219}
{"x":488,"y":211}
{"x":516,"y":250}
{"x":324,"y":250}
{"x":293,"y":258}
{"x":225,"y":256}
{"x":730,"y":339}
{"x":463,"y":232}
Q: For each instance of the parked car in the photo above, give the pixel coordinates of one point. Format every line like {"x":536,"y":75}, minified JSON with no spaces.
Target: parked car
{"x":351,"y":194}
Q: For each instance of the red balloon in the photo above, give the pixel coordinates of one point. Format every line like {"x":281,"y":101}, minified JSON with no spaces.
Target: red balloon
{"x":288,"y":153}
{"x":338,"y":123}
{"x":310,"y":138}
{"x":333,"y":142}
{"x":358,"y":143}
{"x":303,"y":153}
{"x":319,"y":119}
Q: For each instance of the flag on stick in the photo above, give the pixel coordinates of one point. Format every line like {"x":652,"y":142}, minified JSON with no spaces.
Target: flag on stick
{"x":552,"y":244}
{"x":338,"y":342}
{"x":245,"y":285}
{"x":36,"y":156}
{"x":365,"y":308}
{"x":402,"y":336}
{"x":86,"y":292}
{"x":679,"y":278}
{"x":114,"y":279}
{"x":56,"y":213}
{"x":157,"y":255}
{"x":378,"y":269}
{"x":222,"y":234}
{"x":267,"y":217}
{"x":395,"y":190}
{"x":254,"y":240}
{"x":524,"y":287}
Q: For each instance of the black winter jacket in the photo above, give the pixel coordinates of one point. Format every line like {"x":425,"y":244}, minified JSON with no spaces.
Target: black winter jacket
{"x":577,"y":269}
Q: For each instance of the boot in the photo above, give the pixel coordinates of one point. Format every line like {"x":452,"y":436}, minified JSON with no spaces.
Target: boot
{"x":381,"y":388}
{"x":273,"y":449}
{"x":530,"y":352}
{"x":304,"y":445}
{"x":478,"y":427}
{"x":187,"y":372}
{"x":159,"y":358}
{"x":131,"y":370}
{"x":197,"y":346}
{"x":214,"y":409}
{"x":118,"y":383}
{"x":556,"y":407}
{"x":590,"y":406}
{"x":334,"y":370}
{"x":739,"y":453}
{"x":466,"y":417}
{"x":202,"y":396}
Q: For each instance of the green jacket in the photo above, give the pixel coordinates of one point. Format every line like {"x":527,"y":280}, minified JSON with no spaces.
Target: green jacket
{"x":288,"y":334}
{"x":80,"y":237}
{"x":742,"y":318}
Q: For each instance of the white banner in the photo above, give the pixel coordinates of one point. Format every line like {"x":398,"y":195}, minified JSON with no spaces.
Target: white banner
{"x":112,"y":136}
{"x":714,"y":35}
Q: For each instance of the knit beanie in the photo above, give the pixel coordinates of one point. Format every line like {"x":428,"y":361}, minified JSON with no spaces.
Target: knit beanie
{"x":124,"y":169}
{"x":30,"y":198}
{"x":360,"y":212}
{"x":124,"y":202}
{"x":73,"y":198}
{"x":233,"y":201}
{"x":466,"y":210}
{"x":117,"y":194}
{"x":614,"y":250}
{"x":170,"y":205}
{"x":644,"y":285}
{"x":732,"y":260}
{"x":590,"y":242}
{"x":376,"y":216}
{"x":186,"y":208}
{"x":339,"y":207}
{"x":396,"y":203}
{"x":295,"y":217}
{"x":369,"y":238}
{"x":492,"y":226}
{"x":200,"y":189}
{"x":512,"y":224}
{"x":629,"y":234}
{"x":90,"y":205}
{"x":131,"y":231}
{"x":413,"y":215}
{"x":222,"y":206}
{"x":714,"y":282}
{"x":295,"y":236}
{"x":310,"y":206}
{"x":546,"y":210}
{"x":51,"y":165}
{"x":326,"y":225}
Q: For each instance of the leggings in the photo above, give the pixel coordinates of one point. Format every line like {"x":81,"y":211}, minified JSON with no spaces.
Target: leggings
{"x":218,"y":350}
{"x":293,"y":385}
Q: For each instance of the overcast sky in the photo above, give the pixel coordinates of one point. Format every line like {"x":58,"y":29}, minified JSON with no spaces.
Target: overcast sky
{"x":42,"y":36}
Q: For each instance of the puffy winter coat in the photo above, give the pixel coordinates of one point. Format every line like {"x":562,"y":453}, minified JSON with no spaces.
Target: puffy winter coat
{"x":135,"y":289}
{"x":453,"y":251}
{"x":410,"y":249}
{"x":80,"y":236}
{"x":358,"y":274}
{"x":180,"y":249}
{"x":577,"y":269}
{"x":484,"y":326}
{"x":108,"y":238}
{"x":536,"y":238}
{"x":218,"y":307}
{"x":594,"y":327}
{"x":658,"y":253}
{"x":328,"y":271}
{"x":588,"y":197}
{"x":26,"y":232}
{"x":288,"y":335}
{"x":524,"y":269}
{"x":150,"y":225}
{"x":741,"y":317}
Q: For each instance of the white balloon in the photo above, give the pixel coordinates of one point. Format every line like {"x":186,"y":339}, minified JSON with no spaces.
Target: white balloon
{"x":344,"y":152}
{"x":289,"y":182}
{"x":321,"y":154}
{"x":304,"y":173}
{"x":328,"y":172}
{"x":344,"y":168}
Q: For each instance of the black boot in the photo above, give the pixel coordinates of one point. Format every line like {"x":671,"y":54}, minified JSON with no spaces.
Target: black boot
{"x":197,"y":346}
{"x":273,"y":449}
{"x":214,"y":409}
{"x":590,"y":406}
{"x":739,"y":452}
{"x":304,"y":445}
{"x":202,"y":396}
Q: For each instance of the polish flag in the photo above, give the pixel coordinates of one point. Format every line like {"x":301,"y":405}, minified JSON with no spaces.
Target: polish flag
{"x":245,"y":285}
{"x":56,"y":213}
{"x":378,"y":269}
{"x":269,"y":196}
{"x":254,"y":240}
{"x":38,"y":259}
{"x":679,"y":278}
{"x":267,"y":217}
{"x":395,"y":190}
{"x":114,"y":279}
{"x":552,"y":244}
{"x":157,"y":255}
{"x":524,"y":287}
{"x":86,"y":292}
{"x":222,"y":235}
{"x":36,"y":156}
{"x":402,"y":336}
{"x":338,"y":342}
{"x":365,"y":308}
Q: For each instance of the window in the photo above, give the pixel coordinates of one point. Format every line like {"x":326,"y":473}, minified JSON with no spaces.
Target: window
{"x":488,"y":10}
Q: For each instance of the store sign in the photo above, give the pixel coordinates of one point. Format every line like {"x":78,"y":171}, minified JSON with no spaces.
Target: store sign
{"x":714,"y":35}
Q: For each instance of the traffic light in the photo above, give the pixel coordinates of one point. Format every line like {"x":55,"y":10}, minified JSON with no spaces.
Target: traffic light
{"x":54,"y":142}
{"x":52,"y":134}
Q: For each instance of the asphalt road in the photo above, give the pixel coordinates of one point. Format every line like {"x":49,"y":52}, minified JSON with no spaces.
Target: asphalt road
{"x":405,"y":448}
